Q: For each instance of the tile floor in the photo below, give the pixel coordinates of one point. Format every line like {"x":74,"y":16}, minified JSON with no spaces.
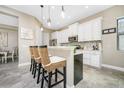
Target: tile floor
{"x":13,"y":77}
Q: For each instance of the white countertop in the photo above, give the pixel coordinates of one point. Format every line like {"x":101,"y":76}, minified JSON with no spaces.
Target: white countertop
{"x":71,"y":48}
{"x":62,"y":47}
{"x":79,"y":51}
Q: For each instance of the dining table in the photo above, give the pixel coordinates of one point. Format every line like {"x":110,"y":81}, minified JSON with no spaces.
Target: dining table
{"x":4,"y":53}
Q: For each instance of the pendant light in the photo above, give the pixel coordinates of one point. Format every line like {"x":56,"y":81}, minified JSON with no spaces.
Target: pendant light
{"x":49,"y":20}
{"x":63,"y":12}
{"x":41,"y":28}
{"x":41,"y":16}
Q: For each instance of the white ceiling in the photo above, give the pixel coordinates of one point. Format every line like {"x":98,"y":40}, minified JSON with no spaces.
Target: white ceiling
{"x":73,"y":13}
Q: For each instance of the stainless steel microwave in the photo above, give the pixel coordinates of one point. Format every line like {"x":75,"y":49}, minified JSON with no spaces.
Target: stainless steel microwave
{"x":73,"y":38}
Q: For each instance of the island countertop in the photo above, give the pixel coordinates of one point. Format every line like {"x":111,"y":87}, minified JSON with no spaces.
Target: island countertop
{"x":62,"y":47}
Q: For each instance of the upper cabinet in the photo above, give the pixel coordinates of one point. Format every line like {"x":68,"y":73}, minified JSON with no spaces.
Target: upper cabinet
{"x":61,"y":36}
{"x":87,"y":31}
{"x":54,"y":35}
{"x":73,"y":30}
{"x":96,"y":29}
{"x":90,"y":30}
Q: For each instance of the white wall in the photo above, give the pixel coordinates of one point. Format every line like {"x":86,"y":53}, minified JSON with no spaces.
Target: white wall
{"x":12,"y":38}
{"x":8,"y":20}
{"x":27,"y":22}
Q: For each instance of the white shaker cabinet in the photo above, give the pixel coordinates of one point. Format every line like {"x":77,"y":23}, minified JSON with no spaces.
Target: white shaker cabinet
{"x":81,"y":32}
{"x":46,"y":38}
{"x":95,"y":60}
{"x":92,"y":58}
{"x":90,"y":30}
{"x":84,"y":32}
{"x":73,"y":29}
{"x":96,"y":29}
{"x":59,"y":37}
{"x":63,"y":36}
{"x":54,"y":35}
{"x":86,"y":58}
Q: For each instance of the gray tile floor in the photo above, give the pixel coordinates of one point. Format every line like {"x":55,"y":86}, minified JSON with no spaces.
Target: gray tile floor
{"x":13,"y":77}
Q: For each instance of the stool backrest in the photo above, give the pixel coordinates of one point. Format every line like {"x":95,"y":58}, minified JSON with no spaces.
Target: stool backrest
{"x":36,"y":52}
{"x":43,"y":52}
{"x":31,"y":50}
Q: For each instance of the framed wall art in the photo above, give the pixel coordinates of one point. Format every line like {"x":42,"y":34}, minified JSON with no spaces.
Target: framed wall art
{"x":3,"y":39}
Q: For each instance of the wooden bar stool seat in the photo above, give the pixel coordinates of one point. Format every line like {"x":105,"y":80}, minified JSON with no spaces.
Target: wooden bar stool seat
{"x":51,"y":64}
{"x":55,"y":62}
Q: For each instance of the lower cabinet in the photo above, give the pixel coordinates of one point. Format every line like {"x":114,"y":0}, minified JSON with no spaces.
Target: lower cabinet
{"x":92,"y":59}
{"x":86,"y":58}
{"x":95,"y":60}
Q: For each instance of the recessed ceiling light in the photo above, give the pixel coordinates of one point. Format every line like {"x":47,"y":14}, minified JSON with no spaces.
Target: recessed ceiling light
{"x":86,"y":6}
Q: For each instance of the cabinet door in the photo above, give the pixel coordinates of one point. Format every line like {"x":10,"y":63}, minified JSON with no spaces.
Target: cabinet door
{"x":73,"y":29}
{"x":81,"y":33}
{"x":86,"y":58}
{"x":95,"y":60}
{"x":59,"y":37}
{"x":84,"y":32}
{"x":52,"y":35}
{"x":46,"y":38}
{"x":96,"y":29}
{"x":62,"y":36}
{"x":88,"y":31}
{"x":66,"y":35}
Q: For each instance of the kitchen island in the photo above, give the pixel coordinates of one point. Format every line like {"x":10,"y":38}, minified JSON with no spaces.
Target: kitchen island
{"x":68,"y":53}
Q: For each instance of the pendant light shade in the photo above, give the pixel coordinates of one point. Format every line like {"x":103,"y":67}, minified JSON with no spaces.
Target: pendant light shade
{"x":41,"y":28}
{"x":63,"y":12}
{"x":41,"y":16}
{"x":49,"y":20}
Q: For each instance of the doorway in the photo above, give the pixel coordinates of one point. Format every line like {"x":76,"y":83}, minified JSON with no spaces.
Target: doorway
{"x":8,"y":39}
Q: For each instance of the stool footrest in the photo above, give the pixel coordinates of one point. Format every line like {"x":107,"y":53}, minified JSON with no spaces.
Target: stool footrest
{"x":57,"y":82}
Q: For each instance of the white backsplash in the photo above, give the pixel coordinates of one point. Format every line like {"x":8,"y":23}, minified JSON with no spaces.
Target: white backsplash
{"x":86,"y":45}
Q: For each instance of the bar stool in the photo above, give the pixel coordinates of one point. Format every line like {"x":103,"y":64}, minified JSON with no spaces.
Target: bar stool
{"x":32,"y":58}
{"x":37,"y":64}
{"x":50,"y":64}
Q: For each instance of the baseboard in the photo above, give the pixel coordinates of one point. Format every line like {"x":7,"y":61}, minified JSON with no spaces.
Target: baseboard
{"x":70,"y":86}
{"x":113,"y":67}
{"x":24,"y":64}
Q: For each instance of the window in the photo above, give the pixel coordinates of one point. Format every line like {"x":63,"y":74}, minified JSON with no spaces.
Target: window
{"x":120,"y":33}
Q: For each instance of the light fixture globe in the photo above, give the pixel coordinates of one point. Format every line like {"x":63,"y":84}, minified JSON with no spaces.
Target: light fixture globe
{"x":63,"y":12}
{"x":41,"y":28}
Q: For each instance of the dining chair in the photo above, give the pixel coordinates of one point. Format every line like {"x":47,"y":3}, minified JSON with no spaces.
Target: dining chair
{"x":10,"y":56}
{"x":1,"y":58}
{"x":51,"y":64}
